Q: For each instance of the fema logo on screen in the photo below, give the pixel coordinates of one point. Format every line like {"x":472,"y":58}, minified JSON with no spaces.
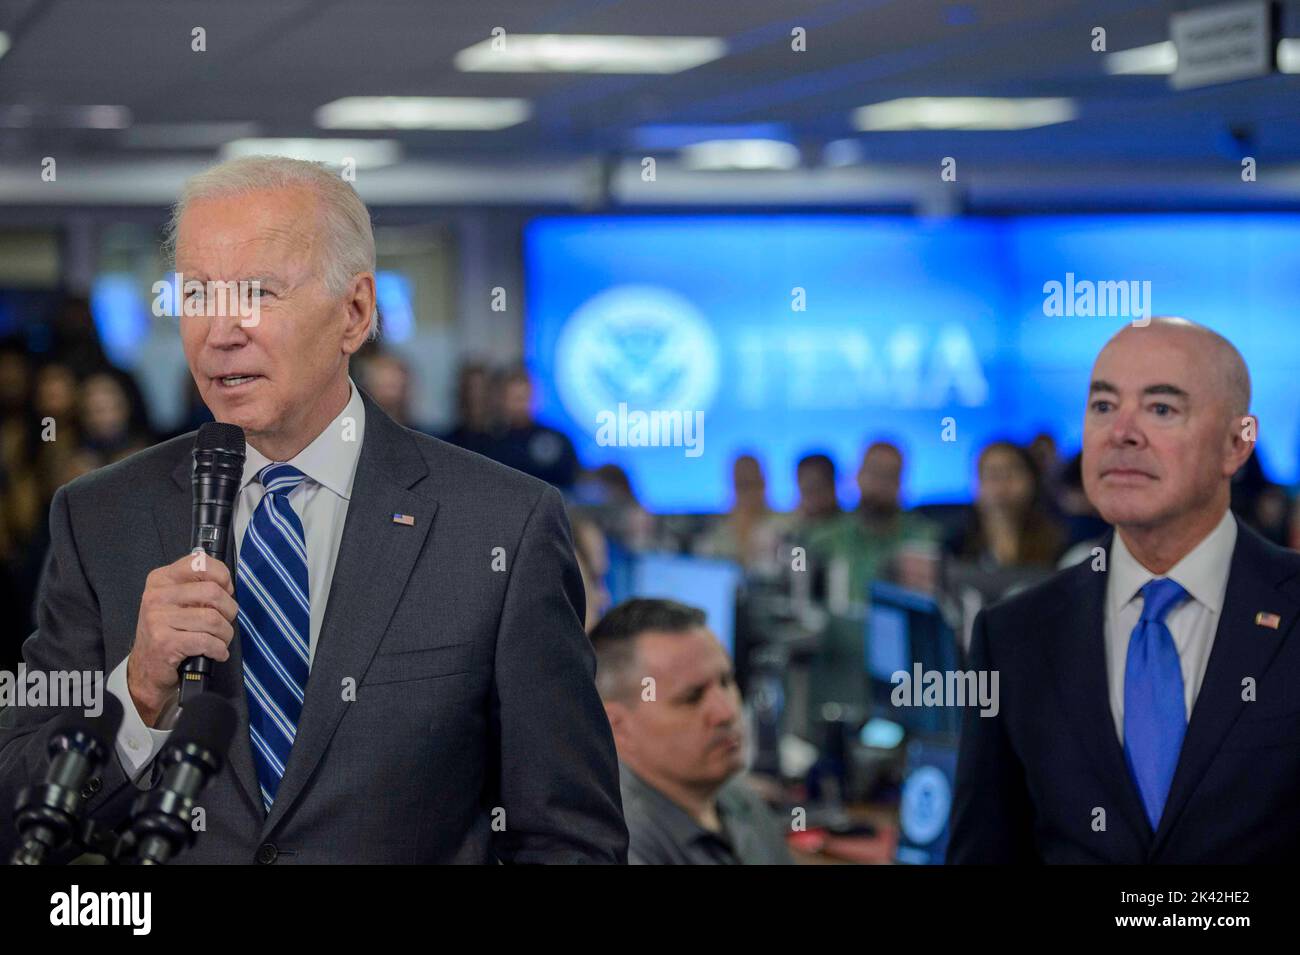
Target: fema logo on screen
{"x":923,"y":808}
{"x":642,"y":345}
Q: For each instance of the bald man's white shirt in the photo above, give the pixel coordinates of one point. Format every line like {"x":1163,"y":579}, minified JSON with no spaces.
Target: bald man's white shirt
{"x":1203,"y":573}
{"x":321,"y":503}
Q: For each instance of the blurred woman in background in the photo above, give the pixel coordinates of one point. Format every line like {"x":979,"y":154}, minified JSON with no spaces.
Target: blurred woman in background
{"x":1009,"y":524}
{"x":750,"y":533}
{"x":113,"y":421}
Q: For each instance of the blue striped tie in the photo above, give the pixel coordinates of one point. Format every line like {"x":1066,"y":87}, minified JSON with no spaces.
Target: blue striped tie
{"x":1155,"y":714}
{"x":275,"y":623}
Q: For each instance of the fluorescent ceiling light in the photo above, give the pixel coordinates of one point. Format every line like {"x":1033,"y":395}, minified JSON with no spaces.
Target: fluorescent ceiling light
{"x":365,"y":153}
{"x":1154,"y":59}
{"x":4,"y":43}
{"x":1162,"y":58}
{"x":738,"y":154}
{"x":577,"y":53}
{"x":1288,"y":56}
{"x":101,"y":117}
{"x":422,"y":112}
{"x":963,"y":112}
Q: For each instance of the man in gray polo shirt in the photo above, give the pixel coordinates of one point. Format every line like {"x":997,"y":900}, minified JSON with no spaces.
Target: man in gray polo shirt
{"x":674,"y":707}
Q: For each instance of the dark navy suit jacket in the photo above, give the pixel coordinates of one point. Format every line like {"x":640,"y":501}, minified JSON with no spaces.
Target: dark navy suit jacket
{"x":1045,"y":780}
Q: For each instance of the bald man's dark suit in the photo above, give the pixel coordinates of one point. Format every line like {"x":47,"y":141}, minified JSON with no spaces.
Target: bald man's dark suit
{"x":476,"y":733}
{"x":1031,"y":779}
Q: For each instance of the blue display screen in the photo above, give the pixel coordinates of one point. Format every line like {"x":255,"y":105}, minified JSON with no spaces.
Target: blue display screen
{"x":709,"y":585}
{"x":668,"y":345}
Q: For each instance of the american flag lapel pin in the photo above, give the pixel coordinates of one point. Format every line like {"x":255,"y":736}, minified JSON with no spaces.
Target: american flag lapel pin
{"x":407,"y":520}
{"x":1270,"y":620}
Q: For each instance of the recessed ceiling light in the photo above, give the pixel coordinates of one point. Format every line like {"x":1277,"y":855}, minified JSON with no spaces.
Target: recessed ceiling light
{"x":1154,"y":59}
{"x":1288,"y":56}
{"x":578,"y":53}
{"x":4,"y":43}
{"x":740,"y":154}
{"x":422,"y":112}
{"x":963,"y":112}
{"x":365,"y":153}
{"x":102,"y":117}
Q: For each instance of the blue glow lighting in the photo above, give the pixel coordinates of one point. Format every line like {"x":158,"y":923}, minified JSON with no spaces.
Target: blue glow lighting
{"x":904,"y":325}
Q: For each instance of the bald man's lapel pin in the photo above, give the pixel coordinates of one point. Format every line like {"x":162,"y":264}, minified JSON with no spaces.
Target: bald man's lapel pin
{"x":1270,"y":620}
{"x":407,"y":520}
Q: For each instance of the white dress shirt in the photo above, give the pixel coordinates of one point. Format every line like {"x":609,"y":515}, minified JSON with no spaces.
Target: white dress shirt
{"x":1203,"y":573}
{"x":321,"y":502}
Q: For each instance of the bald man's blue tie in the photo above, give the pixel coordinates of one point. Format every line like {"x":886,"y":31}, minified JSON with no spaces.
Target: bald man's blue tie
{"x":1155,"y":715}
{"x":274,"y":623}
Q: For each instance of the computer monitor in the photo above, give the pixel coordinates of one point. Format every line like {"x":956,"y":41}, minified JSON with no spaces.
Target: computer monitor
{"x":700,"y":582}
{"x":925,"y":804}
{"x":904,"y":629}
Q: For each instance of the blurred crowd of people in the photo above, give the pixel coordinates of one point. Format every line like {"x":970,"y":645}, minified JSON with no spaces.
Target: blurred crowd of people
{"x":1029,"y":511}
{"x":494,"y":415}
{"x":65,"y":410}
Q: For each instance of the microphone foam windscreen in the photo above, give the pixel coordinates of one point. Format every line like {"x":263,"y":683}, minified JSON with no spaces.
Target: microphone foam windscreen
{"x":103,"y":727}
{"x":216,"y":435}
{"x":208,"y":721}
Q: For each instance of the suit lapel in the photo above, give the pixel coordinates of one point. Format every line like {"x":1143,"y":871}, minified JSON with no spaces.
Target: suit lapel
{"x":173,"y":514}
{"x":1241,"y":649}
{"x":375,"y":559}
{"x":1080,"y":666}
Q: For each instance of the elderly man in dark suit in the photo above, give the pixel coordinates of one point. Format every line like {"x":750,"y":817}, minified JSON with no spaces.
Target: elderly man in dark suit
{"x":1149,"y":710}
{"x":399,"y":623}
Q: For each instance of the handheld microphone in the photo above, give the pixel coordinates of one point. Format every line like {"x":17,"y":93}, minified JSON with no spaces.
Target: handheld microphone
{"x":47,"y":815}
{"x":218,"y":471}
{"x":162,"y":818}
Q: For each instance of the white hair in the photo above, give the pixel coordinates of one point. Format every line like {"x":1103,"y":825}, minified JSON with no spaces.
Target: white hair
{"x":349,"y":240}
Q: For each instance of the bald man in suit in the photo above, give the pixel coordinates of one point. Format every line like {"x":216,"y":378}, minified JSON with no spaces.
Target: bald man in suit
{"x":1149,"y":710}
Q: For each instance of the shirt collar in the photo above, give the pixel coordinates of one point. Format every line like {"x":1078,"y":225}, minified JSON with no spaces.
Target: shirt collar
{"x":1203,"y":572}
{"x":682,"y":828}
{"x":327,"y":460}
